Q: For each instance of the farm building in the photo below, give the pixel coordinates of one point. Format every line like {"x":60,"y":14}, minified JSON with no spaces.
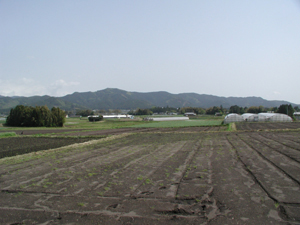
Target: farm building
{"x":297,"y":115}
{"x":276,"y":117}
{"x":250,"y":117}
{"x":166,"y":118}
{"x":190,"y":114}
{"x":233,"y":117}
{"x":117,"y":116}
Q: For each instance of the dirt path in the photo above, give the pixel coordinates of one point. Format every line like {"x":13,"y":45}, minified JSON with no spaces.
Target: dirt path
{"x":157,"y":178}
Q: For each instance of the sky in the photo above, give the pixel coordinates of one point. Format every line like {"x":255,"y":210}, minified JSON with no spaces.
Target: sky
{"x":223,"y":48}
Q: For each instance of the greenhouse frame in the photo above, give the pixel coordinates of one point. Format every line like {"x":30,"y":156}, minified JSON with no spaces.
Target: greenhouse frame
{"x":250,"y":117}
{"x":260,"y":117}
{"x":233,"y":117}
{"x":277,"y":117}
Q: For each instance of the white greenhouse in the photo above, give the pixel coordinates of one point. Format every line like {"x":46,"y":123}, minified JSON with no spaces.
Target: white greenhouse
{"x":250,"y":117}
{"x":233,"y":117}
{"x":277,"y":117}
{"x":167,"y":118}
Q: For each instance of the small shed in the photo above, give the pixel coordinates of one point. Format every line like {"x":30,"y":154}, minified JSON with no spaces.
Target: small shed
{"x":297,"y":115}
{"x":190,"y":114}
{"x":233,"y":117}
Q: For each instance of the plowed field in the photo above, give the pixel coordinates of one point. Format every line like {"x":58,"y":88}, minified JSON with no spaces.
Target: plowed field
{"x":83,"y":132}
{"x":267,"y":126}
{"x":157,"y":178}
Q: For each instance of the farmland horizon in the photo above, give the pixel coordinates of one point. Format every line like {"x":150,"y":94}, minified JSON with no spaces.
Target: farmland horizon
{"x":113,"y":98}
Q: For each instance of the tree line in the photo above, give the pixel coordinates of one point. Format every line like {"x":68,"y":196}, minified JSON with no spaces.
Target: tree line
{"x":284,"y":109}
{"x":39,"y":116}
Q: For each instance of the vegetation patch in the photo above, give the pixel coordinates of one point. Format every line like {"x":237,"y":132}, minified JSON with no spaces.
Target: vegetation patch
{"x":7,"y":134}
{"x":185,"y":123}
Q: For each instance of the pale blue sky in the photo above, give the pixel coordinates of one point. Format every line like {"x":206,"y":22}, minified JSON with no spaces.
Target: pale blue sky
{"x":224,"y":48}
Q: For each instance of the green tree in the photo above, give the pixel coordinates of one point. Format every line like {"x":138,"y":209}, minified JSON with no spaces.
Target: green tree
{"x":143,"y":112}
{"x":236,"y":109}
{"x":58,"y":117}
{"x":286,"y":109}
{"x":27,"y":116}
{"x":86,"y":112}
{"x":213,"y":110}
{"x":192,"y":109}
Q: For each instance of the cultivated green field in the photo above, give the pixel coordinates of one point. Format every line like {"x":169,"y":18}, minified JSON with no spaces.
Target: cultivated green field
{"x":181,"y":123}
{"x":138,"y":122}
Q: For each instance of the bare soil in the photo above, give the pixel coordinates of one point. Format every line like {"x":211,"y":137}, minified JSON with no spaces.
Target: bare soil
{"x":84,"y":132}
{"x":268,"y":126}
{"x":157,"y":178}
{"x":22,"y":145}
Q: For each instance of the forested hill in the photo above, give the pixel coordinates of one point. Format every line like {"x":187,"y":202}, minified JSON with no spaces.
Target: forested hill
{"x":112,"y":98}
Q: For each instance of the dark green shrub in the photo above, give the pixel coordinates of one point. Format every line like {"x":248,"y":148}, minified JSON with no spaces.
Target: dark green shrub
{"x":95,"y":118}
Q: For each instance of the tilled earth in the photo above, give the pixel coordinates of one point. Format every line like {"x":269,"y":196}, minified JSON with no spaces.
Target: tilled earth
{"x":83,"y":132}
{"x":22,"y":145}
{"x":267,"y":125}
{"x":157,"y":178}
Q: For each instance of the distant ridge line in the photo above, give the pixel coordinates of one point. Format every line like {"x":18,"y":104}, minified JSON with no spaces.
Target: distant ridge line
{"x":114,"y":98}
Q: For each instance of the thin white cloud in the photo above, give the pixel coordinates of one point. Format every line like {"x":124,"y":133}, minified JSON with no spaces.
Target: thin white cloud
{"x":276,"y":93}
{"x":30,"y":87}
{"x":21,"y":87}
{"x":61,"y":87}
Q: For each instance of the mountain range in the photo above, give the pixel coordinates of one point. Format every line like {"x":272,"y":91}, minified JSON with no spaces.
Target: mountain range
{"x":113,"y":98}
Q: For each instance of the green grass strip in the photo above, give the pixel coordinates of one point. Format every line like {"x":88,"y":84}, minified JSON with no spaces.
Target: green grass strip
{"x":7,"y":134}
{"x":180,"y":123}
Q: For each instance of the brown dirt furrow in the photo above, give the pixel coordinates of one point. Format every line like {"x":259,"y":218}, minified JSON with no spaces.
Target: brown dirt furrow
{"x":197,"y":178}
{"x":93,"y":210}
{"x":287,"y":164}
{"x":277,"y":185}
{"x":29,"y":179}
{"x":126,"y":180}
{"x":164,"y":181}
{"x":147,"y":185}
{"x":290,"y":139}
{"x":279,"y":144}
{"x":239,"y":197}
{"x":268,"y":125}
{"x":175,"y":177}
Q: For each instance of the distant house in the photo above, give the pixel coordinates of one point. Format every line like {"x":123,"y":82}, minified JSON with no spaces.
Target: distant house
{"x":117,"y":116}
{"x":297,"y":115}
{"x":190,"y":114}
